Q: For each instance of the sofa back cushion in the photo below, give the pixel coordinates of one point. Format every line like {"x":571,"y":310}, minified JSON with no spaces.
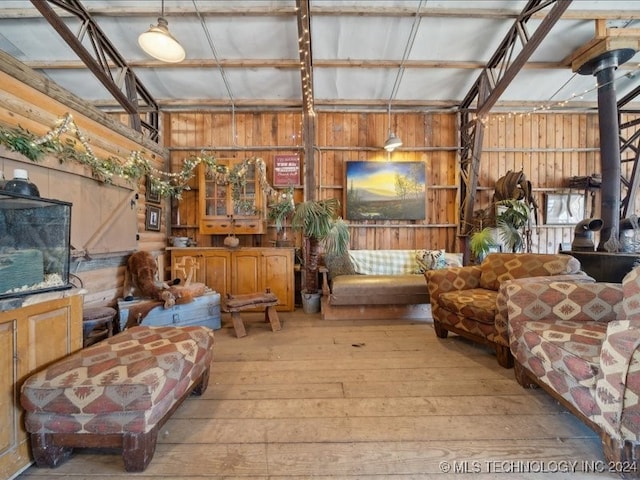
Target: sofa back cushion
{"x":631,"y":290}
{"x":384,"y":262}
{"x":498,"y":267}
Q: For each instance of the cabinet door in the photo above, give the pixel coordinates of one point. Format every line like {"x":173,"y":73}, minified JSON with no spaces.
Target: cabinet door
{"x":217,"y":265}
{"x":213,"y":267}
{"x":30,"y":338}
{"x":13,"y":447}
{"x":245,"y":273}
{"x":277,"y":275}
{"x":180,"y":266}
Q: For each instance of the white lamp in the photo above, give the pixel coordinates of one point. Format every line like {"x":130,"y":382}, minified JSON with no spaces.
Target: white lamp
{"x":392,"y":142}
{"x":159,"y":43}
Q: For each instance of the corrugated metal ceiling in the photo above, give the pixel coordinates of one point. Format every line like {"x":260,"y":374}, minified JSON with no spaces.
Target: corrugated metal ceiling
{"x":360,"y":50}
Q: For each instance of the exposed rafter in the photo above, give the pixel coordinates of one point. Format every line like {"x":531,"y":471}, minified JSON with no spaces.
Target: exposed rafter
{"x":143,"y":118}
{"x":304,"y":47}
{"x":492,"y":82}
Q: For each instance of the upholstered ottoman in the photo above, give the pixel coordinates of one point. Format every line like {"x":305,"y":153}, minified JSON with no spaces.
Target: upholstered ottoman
{"x":116,"y":393}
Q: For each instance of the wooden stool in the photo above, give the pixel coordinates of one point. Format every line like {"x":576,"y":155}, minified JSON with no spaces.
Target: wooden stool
{"x":235,"y":304}
{"x":97,"y":324}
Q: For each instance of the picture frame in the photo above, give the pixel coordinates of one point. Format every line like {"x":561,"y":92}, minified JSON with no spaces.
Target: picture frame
{"x":385,"y":190}
{"x":564,"y":208}
{"x":152,"y":195}
{"x":153,"y":216}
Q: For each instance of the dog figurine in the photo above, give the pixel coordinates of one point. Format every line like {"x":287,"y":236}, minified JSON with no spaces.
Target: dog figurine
{"x":141,"y":280}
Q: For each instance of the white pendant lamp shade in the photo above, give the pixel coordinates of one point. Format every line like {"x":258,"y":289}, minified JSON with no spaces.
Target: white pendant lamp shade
{"x":159,"y":43}
{"x":392,"y":142}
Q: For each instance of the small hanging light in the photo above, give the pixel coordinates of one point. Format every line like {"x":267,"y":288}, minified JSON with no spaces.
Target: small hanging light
{"x":159,"y":43}
{"x":393,"y":141}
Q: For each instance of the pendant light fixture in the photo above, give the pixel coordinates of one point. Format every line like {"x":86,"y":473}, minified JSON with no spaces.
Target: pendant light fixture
{"x":393,"y":141}
{"x":159,"y":43}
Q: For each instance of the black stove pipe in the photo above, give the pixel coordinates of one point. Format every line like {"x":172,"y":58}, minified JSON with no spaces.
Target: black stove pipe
{"x":604,"y":67}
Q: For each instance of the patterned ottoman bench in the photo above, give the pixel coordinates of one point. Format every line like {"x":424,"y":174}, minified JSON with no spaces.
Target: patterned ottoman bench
{"x":116,"y":394}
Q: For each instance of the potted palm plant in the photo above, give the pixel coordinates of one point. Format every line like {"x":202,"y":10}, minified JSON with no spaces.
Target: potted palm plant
{"x":319,"y":223}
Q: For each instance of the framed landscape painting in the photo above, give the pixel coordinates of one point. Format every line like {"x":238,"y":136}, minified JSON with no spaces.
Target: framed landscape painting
{"x":385,"y":190}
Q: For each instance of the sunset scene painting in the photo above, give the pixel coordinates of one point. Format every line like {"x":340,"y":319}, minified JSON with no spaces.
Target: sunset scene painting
{"x":385,"y":190}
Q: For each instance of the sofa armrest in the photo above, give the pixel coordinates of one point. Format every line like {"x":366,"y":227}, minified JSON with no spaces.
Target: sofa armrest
{"x":501,"y":321}
{"x":618,"y":387}
{"x":451,"y":279}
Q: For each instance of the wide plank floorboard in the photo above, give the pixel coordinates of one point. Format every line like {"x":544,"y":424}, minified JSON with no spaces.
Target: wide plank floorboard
{"x":356,"y":399}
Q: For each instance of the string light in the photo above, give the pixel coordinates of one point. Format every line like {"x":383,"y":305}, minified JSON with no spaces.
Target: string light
{"x":487,"y":119}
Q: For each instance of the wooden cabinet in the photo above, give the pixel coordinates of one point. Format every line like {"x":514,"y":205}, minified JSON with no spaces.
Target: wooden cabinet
{"x":31,"y":337}
{"x":245,"y":270}
{"x":228,"y":206}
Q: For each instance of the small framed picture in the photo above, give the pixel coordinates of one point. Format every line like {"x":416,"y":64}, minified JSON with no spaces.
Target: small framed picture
{"x":152,"y":218}
{"x":564,"y":208}
{"x":152,"y":194}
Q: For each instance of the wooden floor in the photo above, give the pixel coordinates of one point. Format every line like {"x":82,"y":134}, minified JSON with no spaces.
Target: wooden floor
{"x":356,"y":399}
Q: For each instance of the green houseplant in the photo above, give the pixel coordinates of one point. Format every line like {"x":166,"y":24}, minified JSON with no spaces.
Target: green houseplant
{"x":319,"y":223}
{"x":279,"y":212}
{"x":511,"y":224}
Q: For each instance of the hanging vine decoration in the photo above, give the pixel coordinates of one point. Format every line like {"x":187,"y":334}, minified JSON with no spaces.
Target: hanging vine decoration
{"x":35,"y":148}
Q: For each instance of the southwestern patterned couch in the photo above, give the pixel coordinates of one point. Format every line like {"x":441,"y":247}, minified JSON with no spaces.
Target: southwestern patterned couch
{"x":581,"y":343}
{"x":469,"y":301}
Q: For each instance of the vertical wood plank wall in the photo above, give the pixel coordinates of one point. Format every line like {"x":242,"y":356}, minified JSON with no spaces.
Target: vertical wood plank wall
{"x":549,"y":148}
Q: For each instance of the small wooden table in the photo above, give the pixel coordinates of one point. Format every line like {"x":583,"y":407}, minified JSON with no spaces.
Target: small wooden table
{"x":235,"y":304}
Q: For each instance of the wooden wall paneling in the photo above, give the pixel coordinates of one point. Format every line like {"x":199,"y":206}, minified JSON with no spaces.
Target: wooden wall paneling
{"x":94,"y":219}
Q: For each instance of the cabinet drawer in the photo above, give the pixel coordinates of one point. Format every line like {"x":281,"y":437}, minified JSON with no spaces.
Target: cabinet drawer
{"x":249,"y":226}
{"x":223,"y":227}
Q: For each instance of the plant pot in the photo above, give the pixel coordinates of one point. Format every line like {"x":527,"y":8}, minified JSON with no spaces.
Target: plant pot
{"x":284,"y":243}
{"x":311,"y":302}
{"x":231,"y":241}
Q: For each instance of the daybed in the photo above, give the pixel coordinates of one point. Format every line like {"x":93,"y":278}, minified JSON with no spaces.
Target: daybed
{"x":381,"y":283}
{"x":581,"y":343}
{"x":467,"y":300}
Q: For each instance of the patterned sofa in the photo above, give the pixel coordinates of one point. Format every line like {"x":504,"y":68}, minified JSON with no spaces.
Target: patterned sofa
{"x":581,"y":343}
{"x":468,"y":300}
{"x":380,"y":283}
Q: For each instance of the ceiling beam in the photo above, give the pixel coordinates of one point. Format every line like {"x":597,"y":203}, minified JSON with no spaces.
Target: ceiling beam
{"x":104,"y":50}
{"x":291,"y":64}
{"x":230,"y":11}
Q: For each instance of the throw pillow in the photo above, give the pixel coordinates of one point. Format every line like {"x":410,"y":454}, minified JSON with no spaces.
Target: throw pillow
{"x":430,"y":260}
{"x":339,"y":265}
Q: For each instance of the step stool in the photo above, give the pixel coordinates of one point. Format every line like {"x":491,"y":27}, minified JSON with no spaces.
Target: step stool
{"x":97,"y":324}
{"x":235,"y":304}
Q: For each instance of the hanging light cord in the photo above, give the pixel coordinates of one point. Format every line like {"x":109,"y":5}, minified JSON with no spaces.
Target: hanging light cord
{"x":407,"y":50}
{"x":223,"y":74}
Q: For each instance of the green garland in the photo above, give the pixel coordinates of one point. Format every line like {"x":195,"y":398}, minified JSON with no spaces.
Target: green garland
{"x":132,"y":170}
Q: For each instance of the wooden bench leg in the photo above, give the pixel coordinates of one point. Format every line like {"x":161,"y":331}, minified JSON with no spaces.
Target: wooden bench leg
{"x":138,"y":449}
{"x":45,"y":452}
{"x":272,"y":315}
{"x":238,"y":326}
{"x":202,"y":384}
